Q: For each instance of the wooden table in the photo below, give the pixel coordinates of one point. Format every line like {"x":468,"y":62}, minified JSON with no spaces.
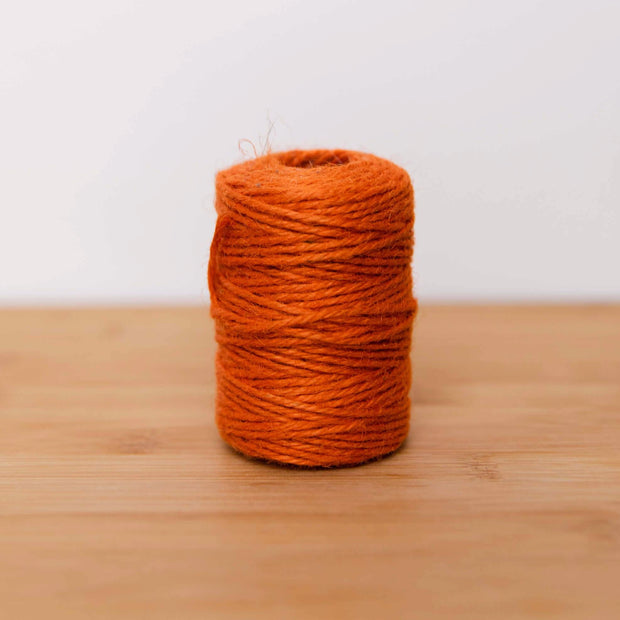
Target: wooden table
{"x":118,"y":499}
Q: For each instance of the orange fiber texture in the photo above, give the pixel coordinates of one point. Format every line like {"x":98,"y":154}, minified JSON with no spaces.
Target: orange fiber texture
{"x":311,"y":292}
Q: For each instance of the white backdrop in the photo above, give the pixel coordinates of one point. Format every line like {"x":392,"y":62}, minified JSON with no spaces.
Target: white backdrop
{"x":116,"y":115}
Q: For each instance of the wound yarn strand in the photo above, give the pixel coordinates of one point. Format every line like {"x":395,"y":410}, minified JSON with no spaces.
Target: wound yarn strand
{"x":311,"y":292}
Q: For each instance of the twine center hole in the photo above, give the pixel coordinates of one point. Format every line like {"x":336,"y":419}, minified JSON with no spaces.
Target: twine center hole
{"x":316,"y":159}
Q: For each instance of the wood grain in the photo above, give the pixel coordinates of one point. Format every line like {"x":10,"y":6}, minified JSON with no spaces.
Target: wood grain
{"x":118,"y":499}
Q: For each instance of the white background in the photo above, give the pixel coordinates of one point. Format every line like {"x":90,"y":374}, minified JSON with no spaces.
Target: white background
{"x":116,"y":115}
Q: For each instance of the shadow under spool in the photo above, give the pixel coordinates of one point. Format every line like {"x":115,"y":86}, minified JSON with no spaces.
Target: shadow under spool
{"x":311,"y":292}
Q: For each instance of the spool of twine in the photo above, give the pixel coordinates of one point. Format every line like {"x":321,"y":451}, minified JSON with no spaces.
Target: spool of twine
{"x":311,"y":292}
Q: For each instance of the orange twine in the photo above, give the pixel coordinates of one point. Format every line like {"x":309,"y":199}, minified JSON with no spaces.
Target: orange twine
{"x":311,"y":292}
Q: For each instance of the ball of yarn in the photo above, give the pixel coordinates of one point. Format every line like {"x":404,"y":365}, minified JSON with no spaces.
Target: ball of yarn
{"x":311,"y":292}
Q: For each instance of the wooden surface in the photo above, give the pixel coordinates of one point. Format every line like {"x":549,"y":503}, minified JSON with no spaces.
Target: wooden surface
{"x":118,"y":499}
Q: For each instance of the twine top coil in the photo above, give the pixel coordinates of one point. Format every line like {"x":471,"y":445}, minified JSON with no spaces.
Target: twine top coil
{"x":311,"y":293}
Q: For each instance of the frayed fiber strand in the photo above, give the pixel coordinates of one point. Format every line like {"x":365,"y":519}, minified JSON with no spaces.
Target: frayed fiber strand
{"x":311,"y":292}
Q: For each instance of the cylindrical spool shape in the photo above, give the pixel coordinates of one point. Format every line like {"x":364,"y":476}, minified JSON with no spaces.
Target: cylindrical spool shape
{"x":311,"y":292}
